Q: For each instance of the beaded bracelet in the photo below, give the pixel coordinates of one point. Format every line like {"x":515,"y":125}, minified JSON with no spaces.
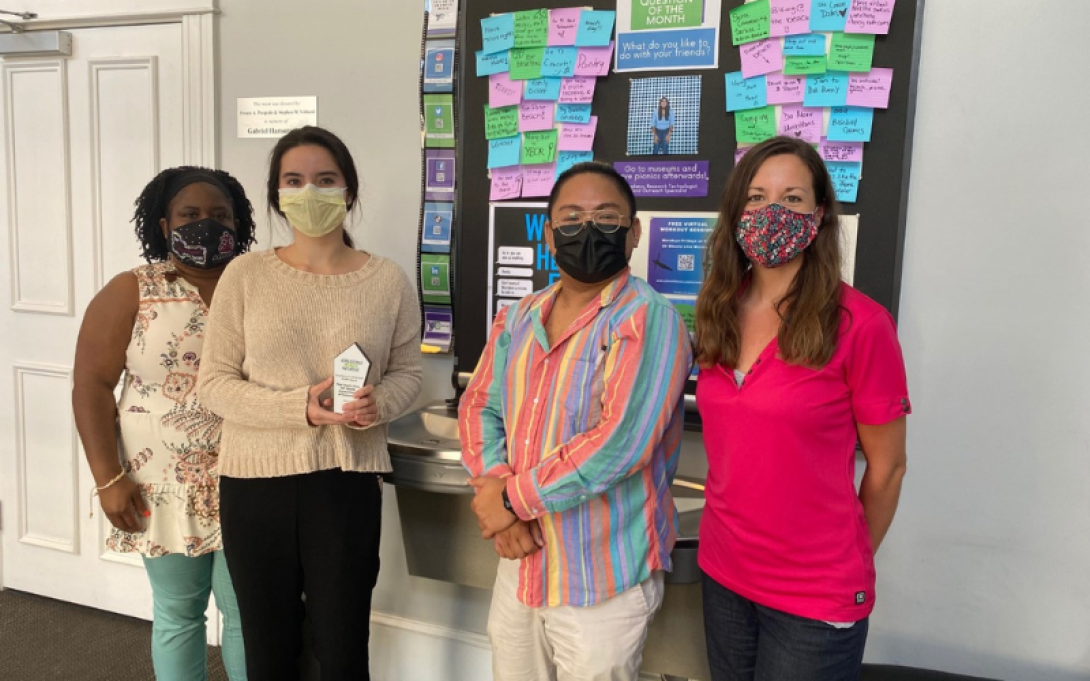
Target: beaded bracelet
{"x":96,"y":490}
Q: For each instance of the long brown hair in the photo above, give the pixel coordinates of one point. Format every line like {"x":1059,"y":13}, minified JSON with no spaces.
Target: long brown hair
{"x":810,"y":312}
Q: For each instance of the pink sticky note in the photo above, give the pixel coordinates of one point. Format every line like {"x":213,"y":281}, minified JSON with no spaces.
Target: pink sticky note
{"x":577,"y":90}
{"x":870,"y":89}
{"x":538,"y":179}
{"x":789,"y":17}
{"x":783,"y":89}
{"x":563,"y":25}
{"x":802,"y":123}
{"x":502,"y":91}
{"x":840,"y":151}
{"x":593,"y":61}
{"x":761,"y":57}
{"x":869,"y":16}
{"x":536,"y":115}
{"x":577,"y":136}
{"x":739,"y":153}
{"x":506,"y":183}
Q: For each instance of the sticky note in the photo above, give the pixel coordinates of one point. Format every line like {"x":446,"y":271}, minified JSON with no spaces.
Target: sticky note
{"x":563,"y":25}
{"x":783,"y":89}
{"x":593,"y":61}
{"x":542,"y":88}
{"x":506,"y":183}
{"x":845,"y":176}
{"x":869,"y":16}
{"x":801,"y":123}
{"x":739,"y":153}
{"x":870,"y":89}
{"x":851,"y":52}
{"x":750,"y":21}
{"x":532,"y":28}
{"x":504,"y":152}
{"x":829,"y":15}
{"x":572,"y":113}
{"x":526,"y":63}
{"x":809,"y":45}
{"x":497,"y":33}
{"x":502,"y":91}
{"x":578,"y":90}
{"x":850,"y":124}
{"x":789,"y":17}
{"x":755,"y":125}
{"x":535,"y":116}
{"x":595,"y":28}
{"x":566,"y":159}
{"x":538,"y":147}
{"x":840,"y":151}
{"x":559,"y":61}
{"x":827,"y":89}
{"x":761,"y":57}
{"x":577,"y":137}
{"x":487,"y":64}
{"x":804,"y":66}
{"x":502,"y":122}
{"x":538,"y":180}
{"x":745,"y":93}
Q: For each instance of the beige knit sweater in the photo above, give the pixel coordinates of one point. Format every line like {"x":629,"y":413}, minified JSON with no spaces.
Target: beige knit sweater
{"x":273,"y":332}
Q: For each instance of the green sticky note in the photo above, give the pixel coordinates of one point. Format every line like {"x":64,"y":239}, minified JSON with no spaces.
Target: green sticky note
{"x":667,"y":14}
{"x":538,"y":147}
{"x":799,"y":66}
{"x":438,"y":121}
{"x":526,"y":63}
{"x":501,"y":122}
{"x":435,"y":277}
{"x":851,"y":51}
{"x":749,"y":22}
{"x":532,"y":28}
{"x":755,"y":125}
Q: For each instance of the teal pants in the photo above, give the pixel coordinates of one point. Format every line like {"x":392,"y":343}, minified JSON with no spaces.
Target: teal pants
{"x":180,"y":587}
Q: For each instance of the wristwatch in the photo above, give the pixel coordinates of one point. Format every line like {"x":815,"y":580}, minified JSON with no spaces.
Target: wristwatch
{"x":507,"y":501}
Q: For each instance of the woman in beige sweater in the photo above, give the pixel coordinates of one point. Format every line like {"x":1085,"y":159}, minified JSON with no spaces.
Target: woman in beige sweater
{"x":300,"y":484}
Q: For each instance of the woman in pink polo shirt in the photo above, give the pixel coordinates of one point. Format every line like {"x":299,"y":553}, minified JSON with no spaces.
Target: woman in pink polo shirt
{"x":796,"y":367}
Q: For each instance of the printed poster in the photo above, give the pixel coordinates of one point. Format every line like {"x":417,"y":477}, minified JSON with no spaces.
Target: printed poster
{"x":439,"y":66}
{"x":519,"y":261}
{"x":667,"y":35}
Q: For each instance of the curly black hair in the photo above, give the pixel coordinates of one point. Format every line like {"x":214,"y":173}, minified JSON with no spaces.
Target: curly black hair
{"x":153,"y":204}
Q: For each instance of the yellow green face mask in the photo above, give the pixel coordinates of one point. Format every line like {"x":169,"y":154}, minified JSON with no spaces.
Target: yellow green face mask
{"x":313,"y":211}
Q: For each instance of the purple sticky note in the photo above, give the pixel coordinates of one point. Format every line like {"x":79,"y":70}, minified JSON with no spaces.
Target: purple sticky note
{"x":593,"y":61}
{"x":870,"y":89}
{"x":576,"y":136}
{"x":579,"y":90}
{"x":502,"y":91}
{"x":739,"y":153}
{"x":563,"y":25}
{"x":538,"y":179}
{"x":536,"y":115}
{"x":789,"y":17}
{"x":784,"y":89}
{"x":869,"y":16}
{"x":841,"y":151}
{"x":506,"y":183}
{"x":801,"y":123}
{"x":761,"y":57}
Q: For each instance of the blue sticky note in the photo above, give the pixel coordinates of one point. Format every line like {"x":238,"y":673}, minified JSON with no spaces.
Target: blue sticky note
{"x":572,"y":113}
{"x":498,"y":33}
{"x":850,"y":124}
{"x":807,"y":45}
{"x":542,"y":88}
{"x":504,"y":151}
{"x":829,"y":15}
{"x":566,"y":159}
{"x":747,"y":93}
{"x":595,"y":28}
{"x":845,"y":176}
{"x":559,"y":61}
{"x":827,"y":89}
{"x":497,"y":62}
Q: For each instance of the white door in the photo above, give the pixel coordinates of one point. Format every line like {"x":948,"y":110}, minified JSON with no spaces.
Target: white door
{"x":82,"y":135}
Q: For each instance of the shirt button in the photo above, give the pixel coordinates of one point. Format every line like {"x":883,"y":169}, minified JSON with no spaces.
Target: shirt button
{"x":526,"y":442}
{"x":535,"y":400}
{"x":904,"y":400}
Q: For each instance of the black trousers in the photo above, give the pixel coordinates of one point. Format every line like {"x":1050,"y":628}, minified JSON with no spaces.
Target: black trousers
{"x":315,"y":534}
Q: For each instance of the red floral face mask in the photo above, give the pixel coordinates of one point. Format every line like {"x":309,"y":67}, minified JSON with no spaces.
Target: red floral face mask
{"x":773,"y":235}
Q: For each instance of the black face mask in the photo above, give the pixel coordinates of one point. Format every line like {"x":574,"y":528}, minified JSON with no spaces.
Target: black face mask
{"x":590,"y":256}
{"x":205,"y":244}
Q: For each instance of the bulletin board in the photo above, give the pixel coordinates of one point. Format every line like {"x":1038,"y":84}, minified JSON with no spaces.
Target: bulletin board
{"x":880,"y":204}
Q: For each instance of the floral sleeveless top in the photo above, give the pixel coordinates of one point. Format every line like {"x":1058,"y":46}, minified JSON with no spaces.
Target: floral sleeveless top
{"x":169,"y":442}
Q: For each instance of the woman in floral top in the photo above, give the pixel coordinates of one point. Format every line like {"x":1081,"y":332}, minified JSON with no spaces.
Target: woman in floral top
{"x":160,"y":487}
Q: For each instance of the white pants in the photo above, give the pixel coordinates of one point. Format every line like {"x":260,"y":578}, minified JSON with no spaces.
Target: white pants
{"x":603,"y":642}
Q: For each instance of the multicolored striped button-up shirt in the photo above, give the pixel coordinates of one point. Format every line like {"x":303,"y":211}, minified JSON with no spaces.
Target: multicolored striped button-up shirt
{"x":587,"y":433}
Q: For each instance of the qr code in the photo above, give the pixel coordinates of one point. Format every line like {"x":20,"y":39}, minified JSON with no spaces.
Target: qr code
{"x":686,"y":262}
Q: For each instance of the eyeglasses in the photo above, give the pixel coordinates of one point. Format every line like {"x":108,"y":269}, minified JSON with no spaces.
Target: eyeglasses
{"x":605,"y":221}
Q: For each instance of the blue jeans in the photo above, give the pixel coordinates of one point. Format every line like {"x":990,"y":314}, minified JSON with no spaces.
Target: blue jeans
{"x":749,"y":642}
{"x":661,"y":145}
{"x":180,"y":587}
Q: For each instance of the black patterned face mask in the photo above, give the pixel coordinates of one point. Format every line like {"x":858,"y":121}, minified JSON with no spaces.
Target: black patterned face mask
{"x":591,"y":256}
{"x":205,"y":244}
